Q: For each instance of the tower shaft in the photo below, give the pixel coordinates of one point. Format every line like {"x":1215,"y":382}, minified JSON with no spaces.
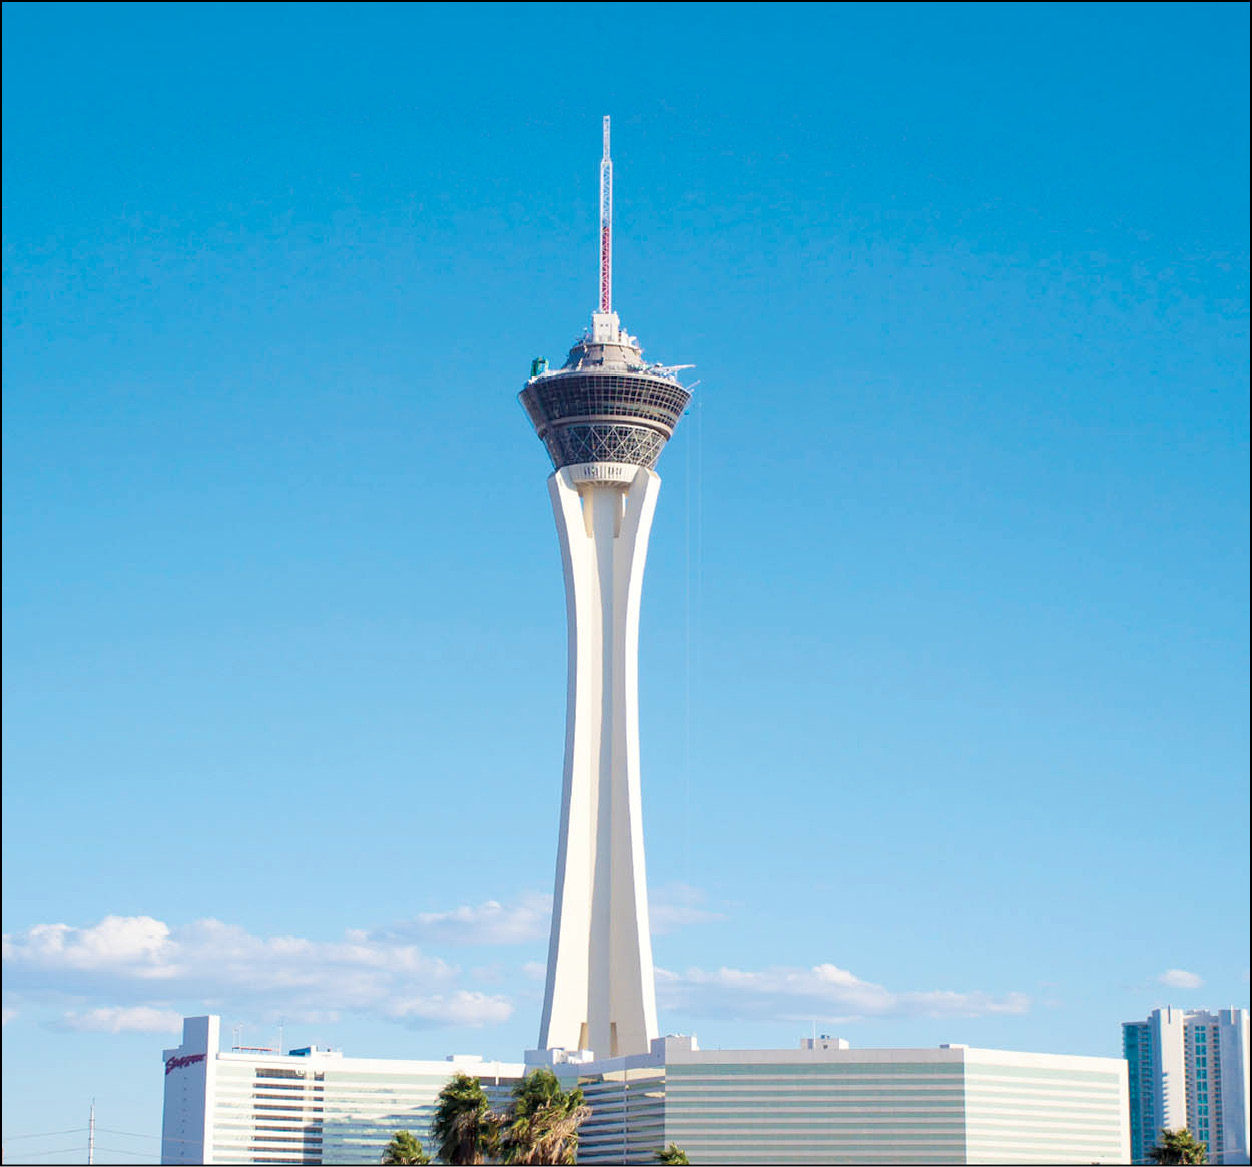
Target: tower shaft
{"x":600,"y":991}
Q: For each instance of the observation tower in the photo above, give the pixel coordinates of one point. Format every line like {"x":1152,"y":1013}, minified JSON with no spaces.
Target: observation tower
{"x":604,"y":417}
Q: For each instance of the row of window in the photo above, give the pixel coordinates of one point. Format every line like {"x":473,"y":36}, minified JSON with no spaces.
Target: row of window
{"x":551,"y":401}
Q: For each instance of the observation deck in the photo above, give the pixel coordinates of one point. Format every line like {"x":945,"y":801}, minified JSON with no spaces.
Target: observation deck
{"x":606,"y":403}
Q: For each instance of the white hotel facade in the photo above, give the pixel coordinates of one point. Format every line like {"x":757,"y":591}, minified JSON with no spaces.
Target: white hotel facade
{"x":822,"y":1103}
{"x":305,"y":1106}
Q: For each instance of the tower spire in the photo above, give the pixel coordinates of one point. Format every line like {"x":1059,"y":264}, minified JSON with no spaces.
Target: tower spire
{"x":606,"y":225}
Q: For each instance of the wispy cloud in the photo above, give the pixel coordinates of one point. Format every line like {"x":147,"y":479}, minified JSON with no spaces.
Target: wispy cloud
{"x":1180,"y":978}
{"x":459,"y":1008}
{"x":133,"y":973}
{"x":824,"y":992}
{"x":134,"y":1019}
{"x":488,"y":923}
{"x":526,"y":920}
{"x":132,"y":961}
{"x":678,"y":905}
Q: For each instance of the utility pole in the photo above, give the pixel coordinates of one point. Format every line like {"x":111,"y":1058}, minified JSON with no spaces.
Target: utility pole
{"x":91,"y":1134}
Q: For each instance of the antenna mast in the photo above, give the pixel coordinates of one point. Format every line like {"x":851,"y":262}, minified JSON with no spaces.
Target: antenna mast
{"x":606,"y":226}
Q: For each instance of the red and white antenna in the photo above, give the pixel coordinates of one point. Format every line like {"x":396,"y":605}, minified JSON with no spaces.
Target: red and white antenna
{"x":606,"y":226}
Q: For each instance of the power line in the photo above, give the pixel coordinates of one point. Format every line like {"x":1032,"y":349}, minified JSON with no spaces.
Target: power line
{"x":45,"y":1134}
{"x":111,"y":1150}
{"x":58,"y":1151}
{"x":106,"y":1130}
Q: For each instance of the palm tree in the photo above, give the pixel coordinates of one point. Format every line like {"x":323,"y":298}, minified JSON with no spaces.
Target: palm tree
{"x":404,"y":1149}
{"x":542,"y":1124}
{"x":464,"y":1129}
{"x":672,"y":1156}
{"x":1179,"y":1147}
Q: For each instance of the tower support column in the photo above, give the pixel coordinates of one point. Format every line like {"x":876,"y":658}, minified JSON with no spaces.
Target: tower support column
{"x":600,"y":991}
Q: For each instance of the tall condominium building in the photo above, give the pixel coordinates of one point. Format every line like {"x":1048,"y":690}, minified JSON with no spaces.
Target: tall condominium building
{"x":823,"y":1103}
{"x":1189,"y":1068}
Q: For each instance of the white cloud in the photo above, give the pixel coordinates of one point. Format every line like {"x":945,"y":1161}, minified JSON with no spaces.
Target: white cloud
{"x":131,"y":973}
{"x":460,"y":1008}
{"x":526,"y":921}
{"x":132,"y":1019}
{"x":678,"y":905}
{"x":8,"y":1014}
{"x":1180,"y":978}
{"x":129,"y":960}
{"x":134,"y":942}
{"x":824,"y":992}
{"x":488,"y":923}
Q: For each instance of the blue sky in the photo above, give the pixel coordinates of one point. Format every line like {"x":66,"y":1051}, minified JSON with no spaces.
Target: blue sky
{"x":944,"y":646}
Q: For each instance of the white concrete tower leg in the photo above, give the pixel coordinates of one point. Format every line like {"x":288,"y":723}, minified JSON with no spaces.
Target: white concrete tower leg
{"x":601,"y":991}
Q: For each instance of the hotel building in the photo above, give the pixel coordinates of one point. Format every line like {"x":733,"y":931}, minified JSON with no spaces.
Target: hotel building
{"x":307,"y":1106}
{"x":823,"y":1103}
